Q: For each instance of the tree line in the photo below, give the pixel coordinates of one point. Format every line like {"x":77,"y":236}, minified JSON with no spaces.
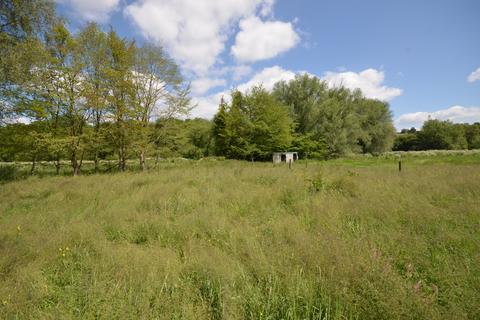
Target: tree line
{"x":439,"y":135}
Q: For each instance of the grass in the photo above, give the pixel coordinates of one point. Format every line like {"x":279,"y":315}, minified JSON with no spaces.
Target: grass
{"x":343,"y":239}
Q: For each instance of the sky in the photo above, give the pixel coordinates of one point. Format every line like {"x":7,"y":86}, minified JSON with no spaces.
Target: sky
{"x":422,"y":57}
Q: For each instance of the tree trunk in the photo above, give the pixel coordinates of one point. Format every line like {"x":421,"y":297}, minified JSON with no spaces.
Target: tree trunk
{"x":143,"y":163}
{"x":97,"y":165}
{"x":121,"y":158}
{"x":75,"y":166}
{"x":34,"y":162}
{"x":57,"y":165}
{"x":81,"y":162}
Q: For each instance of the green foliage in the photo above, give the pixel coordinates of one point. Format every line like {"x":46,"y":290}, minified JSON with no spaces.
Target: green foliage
{"x":335,"y":121}
{"x":439,"y":135}
{"x":252,"y":127}
{"x":7,"y":173}
{"x":406,"y":142}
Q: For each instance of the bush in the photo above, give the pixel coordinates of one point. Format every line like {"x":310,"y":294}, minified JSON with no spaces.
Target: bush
{"x":7,"y":173}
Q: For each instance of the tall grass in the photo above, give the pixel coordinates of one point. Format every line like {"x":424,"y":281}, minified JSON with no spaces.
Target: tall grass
{"x":238,"y":240}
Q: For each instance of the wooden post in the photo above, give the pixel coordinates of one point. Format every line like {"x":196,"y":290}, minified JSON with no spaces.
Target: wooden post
{"x":400,"y":166}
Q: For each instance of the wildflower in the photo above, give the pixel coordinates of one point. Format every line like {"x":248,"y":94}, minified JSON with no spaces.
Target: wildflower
{"x":19,"y":229}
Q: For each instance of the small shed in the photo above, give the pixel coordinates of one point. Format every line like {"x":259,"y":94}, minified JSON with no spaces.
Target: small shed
{"x":286,"y":157}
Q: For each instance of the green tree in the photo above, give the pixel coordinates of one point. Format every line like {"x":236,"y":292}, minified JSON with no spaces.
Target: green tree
{"x":22,"y":26}
{"x":472,"y":134}
{"x":252,"y":127}
{"x":376,"y":125}
{"x":303,"y":96}
{"x":121,"y":55}
{"x":94,"y":56}
{"x":437,"y":135}
{"x":271,"y":123}
{"x":65,"y":87}
{"x":220,"y":131}
{"x":156,"y":81}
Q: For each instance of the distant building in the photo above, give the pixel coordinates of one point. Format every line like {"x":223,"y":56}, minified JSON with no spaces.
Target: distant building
{"x":286,"y":157}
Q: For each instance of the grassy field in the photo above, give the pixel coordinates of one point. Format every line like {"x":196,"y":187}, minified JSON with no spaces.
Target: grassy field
{"x":343,"y":239}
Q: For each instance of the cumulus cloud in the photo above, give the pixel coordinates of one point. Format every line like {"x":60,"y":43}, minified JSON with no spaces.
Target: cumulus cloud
{"x":474,"y":76}
{"x":369,"y":81}
{"x":92,"y":10}
{"x":260,"y":40}
{"x":238,"y":72}
{"x":267,"y":78}
{"x":206,"y":107}
{"x":458,"y":114}
{"x":202,"y":85}
{"x":195,"y":32}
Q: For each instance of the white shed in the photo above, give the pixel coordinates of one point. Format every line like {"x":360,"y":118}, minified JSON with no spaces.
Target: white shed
{"x":286,"y":157}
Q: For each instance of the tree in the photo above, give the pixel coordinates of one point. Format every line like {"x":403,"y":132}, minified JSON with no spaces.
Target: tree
{"x":472,"y":134}
{"x":239,"y":129}
{"x":156,"y":83}
{"x":271,"y":123}
{"x":337,"y":119}
{"x":377,"y":130}
{"x":219,"y":130}
{"x":65,"y":87}
{"x":119,"y":77}
{"x":437,"y":135}
{"x":302,"y":96}
{"x":252,"y":127}
{"x":22,"y":26}
{"x":94,"y":55}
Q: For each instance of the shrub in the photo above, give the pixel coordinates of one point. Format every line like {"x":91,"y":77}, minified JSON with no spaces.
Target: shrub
{"x":7,"y":173}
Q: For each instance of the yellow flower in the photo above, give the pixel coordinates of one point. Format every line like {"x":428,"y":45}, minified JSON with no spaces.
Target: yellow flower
{"x":19,"y":228}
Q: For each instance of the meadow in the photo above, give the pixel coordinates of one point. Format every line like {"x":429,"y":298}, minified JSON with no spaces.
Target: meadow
{"x":351,"y":238}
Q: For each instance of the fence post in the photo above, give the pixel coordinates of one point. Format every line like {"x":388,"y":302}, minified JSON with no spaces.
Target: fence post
{"x":400,"y":166}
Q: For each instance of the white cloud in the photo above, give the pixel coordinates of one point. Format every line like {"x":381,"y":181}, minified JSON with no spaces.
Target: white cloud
{"x":202,"y":85}
{"x":474,"y":76}
{"x":369,"y":81}
{"x":207,"y":106}
{"x":92,"y":10}
{"x":260,"y":40}
{"x":195,"y":32}
{"x":238,"y":72}
{"x":458,"y":114}
{"x":267,"y":8}
{"x":267,"y":77}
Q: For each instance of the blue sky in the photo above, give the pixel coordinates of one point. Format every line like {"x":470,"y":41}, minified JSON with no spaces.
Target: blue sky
{"x":423,"y":57}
